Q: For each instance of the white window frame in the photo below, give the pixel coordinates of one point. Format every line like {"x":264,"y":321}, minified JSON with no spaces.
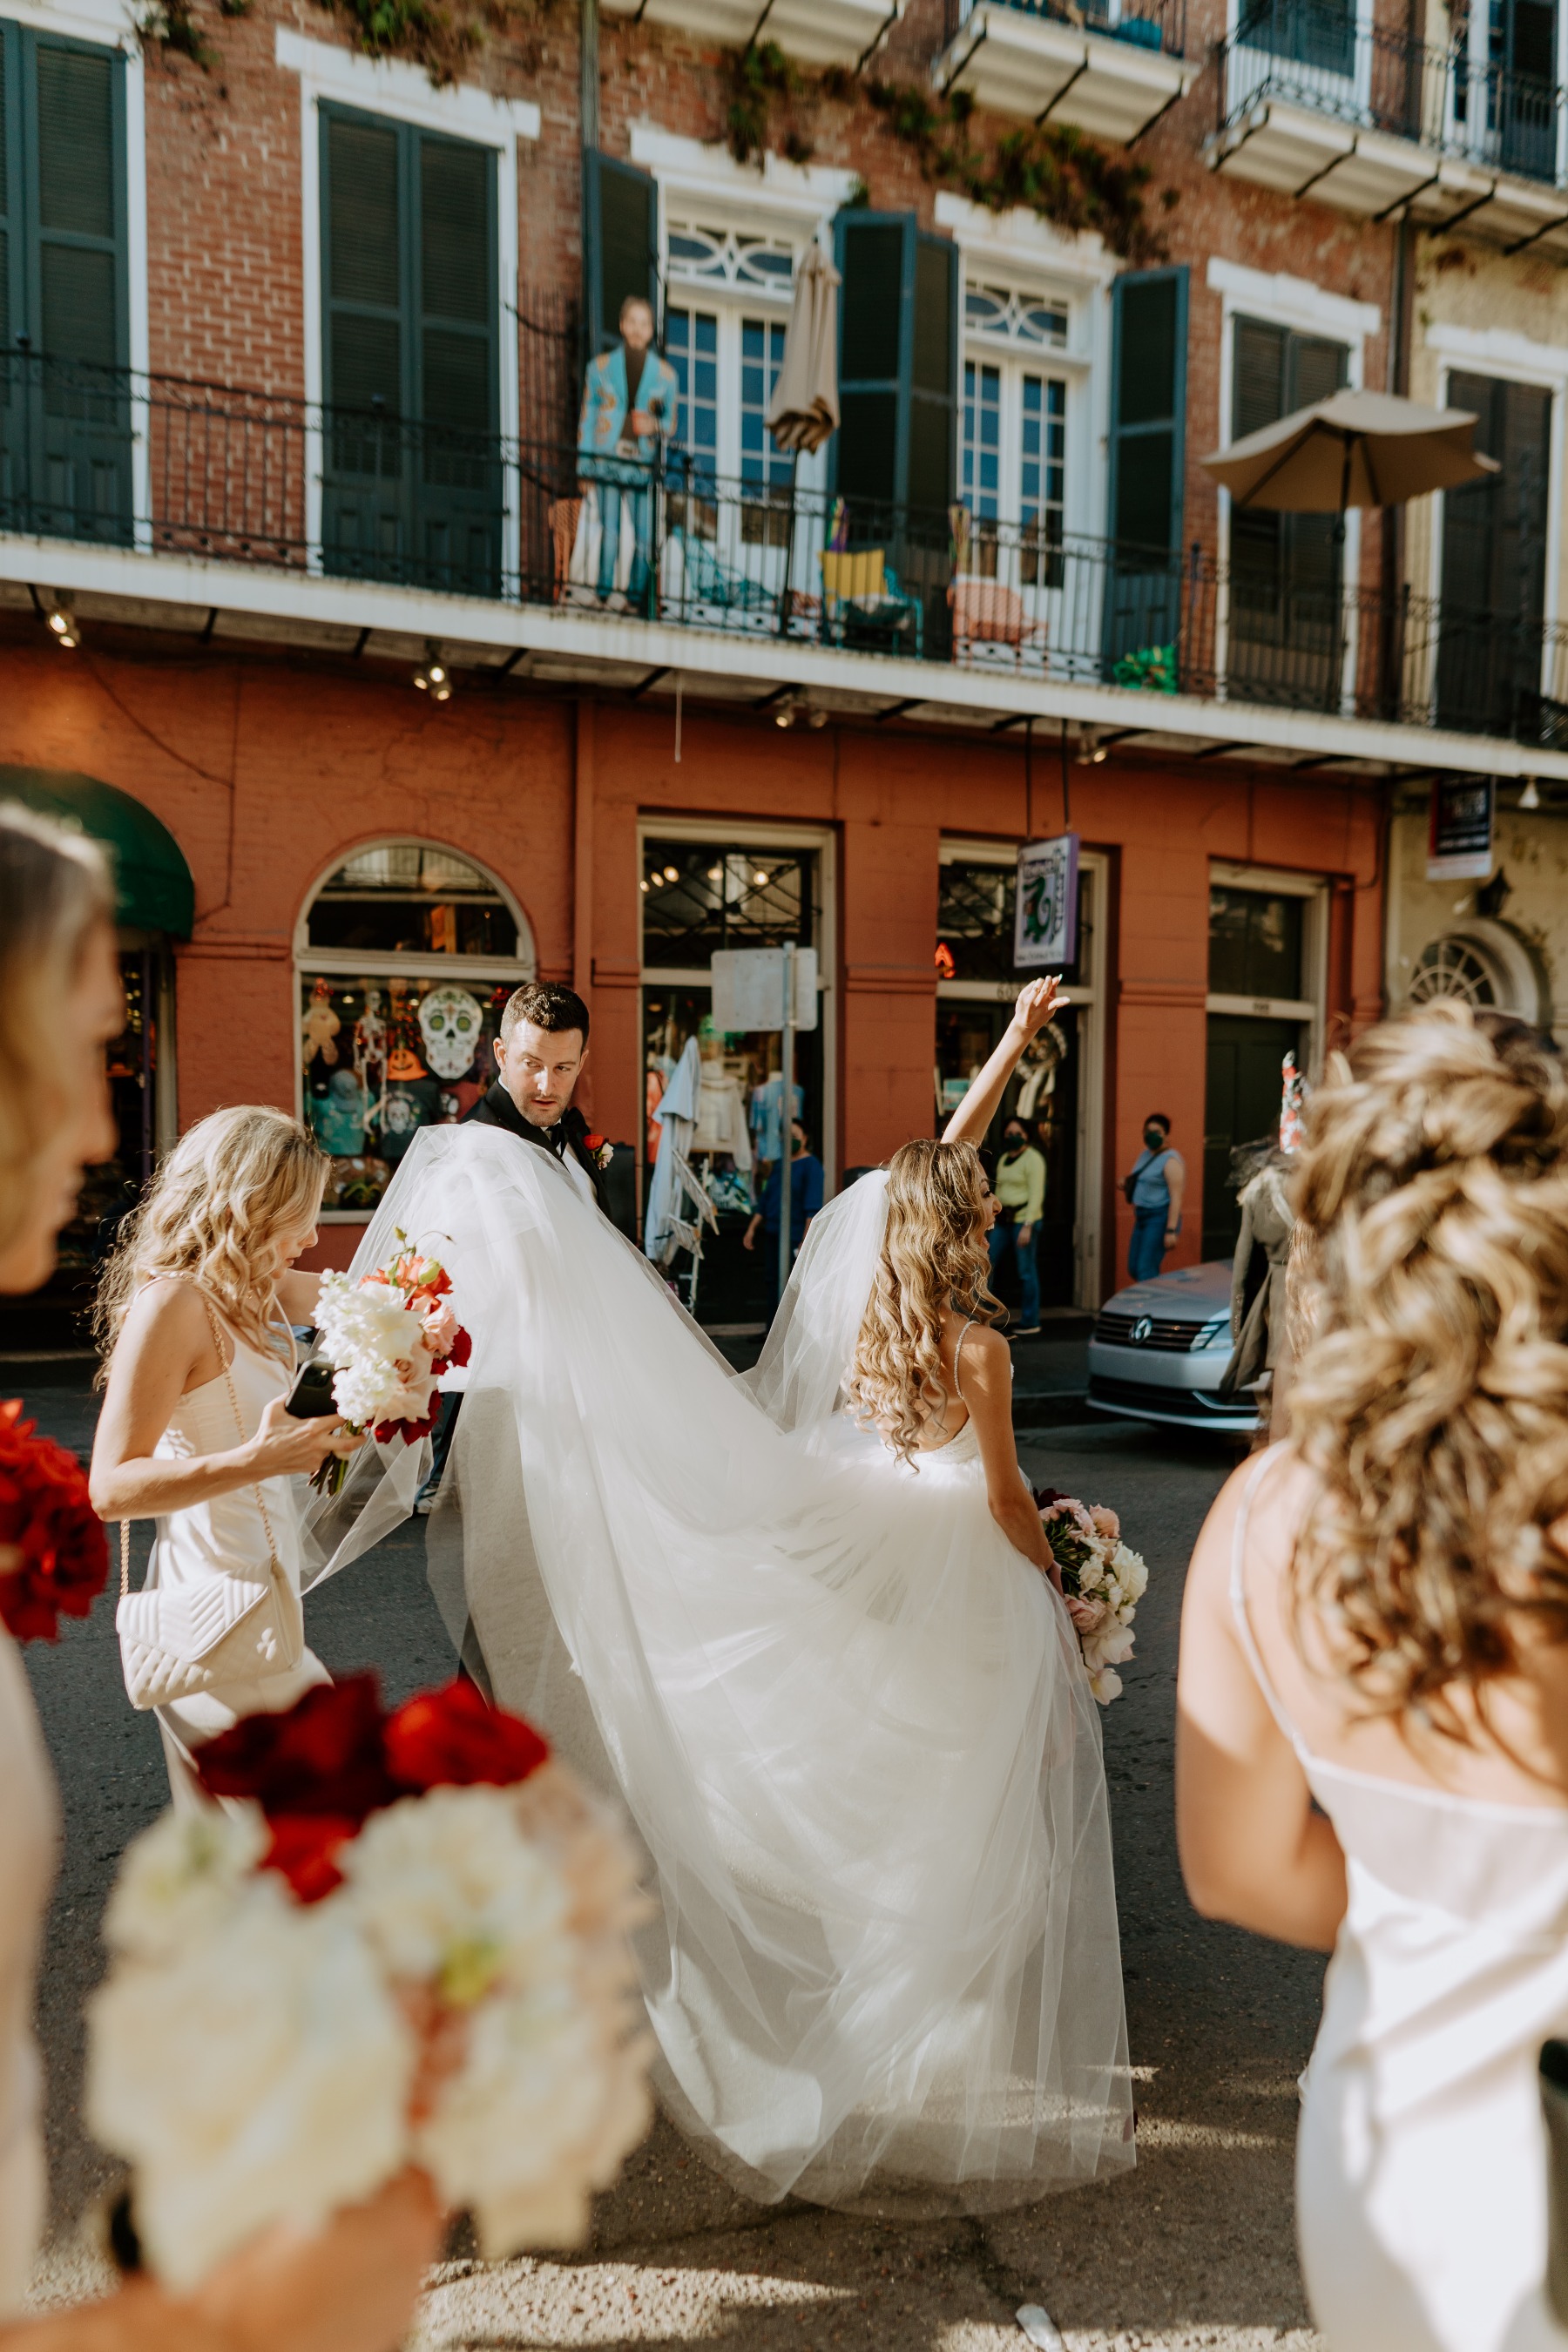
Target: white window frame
{"x":1517,"y":358}
{"x":1240,"y":81}
{"x":817,"y":838}
{"x":110,"y":25}
{"x":1091,"y":996}
{"x":1311,"y":1008}
{"x":402,"y":93}
{"x":353,"y":963}
{"x":1286,"y":301}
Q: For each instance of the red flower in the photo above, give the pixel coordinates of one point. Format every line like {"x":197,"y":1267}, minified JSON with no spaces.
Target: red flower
{"x":455,"y":1738}
{"x":593,"y":1143}
{"x":46,"y":1516}
{"x":304,"y":1849}
{"x":461,"y":1348}
{"x":325,"y":1756}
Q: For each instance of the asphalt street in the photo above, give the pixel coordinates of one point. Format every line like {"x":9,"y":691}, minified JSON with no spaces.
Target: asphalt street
{"x":1194,"y":2248}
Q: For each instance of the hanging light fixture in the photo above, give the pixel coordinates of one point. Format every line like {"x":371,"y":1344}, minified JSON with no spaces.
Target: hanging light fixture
{"x":433,"y":676}
{"x":63,"y":623}
{"x":1529,"y":798}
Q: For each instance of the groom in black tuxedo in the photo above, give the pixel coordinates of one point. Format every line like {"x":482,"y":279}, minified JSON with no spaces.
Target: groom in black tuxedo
{"x":539,"y":1056}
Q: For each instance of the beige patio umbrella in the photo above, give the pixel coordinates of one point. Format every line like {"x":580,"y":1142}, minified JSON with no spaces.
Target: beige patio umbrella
{"x":804,"y":406}
{"x":1354,"y":449}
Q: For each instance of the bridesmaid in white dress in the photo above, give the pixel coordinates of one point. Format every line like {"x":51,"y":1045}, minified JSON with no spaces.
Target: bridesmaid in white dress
{"x":197,"y":1302}
{"x":352,"y":2286}
{"x":1373,"y":1745}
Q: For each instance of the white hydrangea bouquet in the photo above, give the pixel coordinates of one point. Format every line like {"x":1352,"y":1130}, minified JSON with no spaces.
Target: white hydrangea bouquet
{"x":389,"y":1338}
{"x":399,"y":1939}
{"x":1102,"y":1573}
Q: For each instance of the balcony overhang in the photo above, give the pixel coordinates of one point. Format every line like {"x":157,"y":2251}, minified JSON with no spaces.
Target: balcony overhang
{"x":1017,"y":62}
{"x":234,"y":604}
{"x":813,"y":32}
{"x":1293,"y":149}
{"x":1495,"y":204}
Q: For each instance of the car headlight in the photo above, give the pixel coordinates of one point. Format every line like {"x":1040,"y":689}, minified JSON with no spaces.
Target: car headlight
{"x":1215,"y":1333}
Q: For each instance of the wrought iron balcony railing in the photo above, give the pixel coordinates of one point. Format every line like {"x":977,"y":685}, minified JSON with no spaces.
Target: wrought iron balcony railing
{"x":1470,"y":100}
{"x":169,"y":466}
{"x":1159,"y":25}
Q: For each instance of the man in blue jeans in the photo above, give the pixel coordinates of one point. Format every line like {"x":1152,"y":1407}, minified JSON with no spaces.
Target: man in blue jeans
{"x":1155,"y":1187}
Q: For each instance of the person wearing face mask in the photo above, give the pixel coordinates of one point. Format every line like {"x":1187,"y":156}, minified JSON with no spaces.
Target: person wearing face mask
{"x":1155,"y":1187}
{"x":1020,"y":1189}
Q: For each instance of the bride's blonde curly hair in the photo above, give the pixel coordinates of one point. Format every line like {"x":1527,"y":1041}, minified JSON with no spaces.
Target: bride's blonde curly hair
{"x":230,"y":1186}
{"x":1432,"y":1395}
{"x":933,"y":1258}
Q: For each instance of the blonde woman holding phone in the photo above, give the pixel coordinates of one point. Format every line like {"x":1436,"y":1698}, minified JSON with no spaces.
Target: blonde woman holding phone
{"x":195,"y":1309}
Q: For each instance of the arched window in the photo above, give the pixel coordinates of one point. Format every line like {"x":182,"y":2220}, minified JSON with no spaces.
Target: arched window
{"x":406,"y":953}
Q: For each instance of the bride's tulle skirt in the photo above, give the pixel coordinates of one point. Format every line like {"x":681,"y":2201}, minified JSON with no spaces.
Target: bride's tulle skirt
{"x":848,"y":1720}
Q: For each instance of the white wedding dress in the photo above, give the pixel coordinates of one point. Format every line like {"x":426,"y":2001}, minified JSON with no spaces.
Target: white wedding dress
{"x":851,"y":1722}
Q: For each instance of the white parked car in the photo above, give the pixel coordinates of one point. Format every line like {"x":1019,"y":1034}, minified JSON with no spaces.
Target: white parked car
{"x":1159,"y":1347}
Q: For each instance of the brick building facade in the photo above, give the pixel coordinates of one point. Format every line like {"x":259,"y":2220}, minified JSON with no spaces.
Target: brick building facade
{"x":291,"y":367}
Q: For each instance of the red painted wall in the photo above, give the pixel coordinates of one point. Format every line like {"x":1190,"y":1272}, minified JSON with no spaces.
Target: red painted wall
{"x":269,"y":772}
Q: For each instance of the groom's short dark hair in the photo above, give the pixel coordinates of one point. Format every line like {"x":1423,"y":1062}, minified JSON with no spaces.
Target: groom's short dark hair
{"x":548,"y":1005}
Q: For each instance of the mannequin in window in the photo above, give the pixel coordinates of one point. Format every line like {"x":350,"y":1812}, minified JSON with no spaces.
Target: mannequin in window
{"x":630,"y":398}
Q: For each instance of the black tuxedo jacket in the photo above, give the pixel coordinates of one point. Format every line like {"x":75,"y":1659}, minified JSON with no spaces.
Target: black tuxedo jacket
{"x":497,"y":1108}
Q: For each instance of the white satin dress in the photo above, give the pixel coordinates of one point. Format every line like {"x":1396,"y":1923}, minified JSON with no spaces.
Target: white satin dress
{"x":29,"y":1829}
{"x":1421,"y":2158}
{"x":223,"y":1537}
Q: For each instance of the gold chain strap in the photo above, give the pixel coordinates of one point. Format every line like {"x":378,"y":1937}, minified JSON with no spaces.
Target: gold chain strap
{"x":239,"y":1422}
{"x":217,"y":1330}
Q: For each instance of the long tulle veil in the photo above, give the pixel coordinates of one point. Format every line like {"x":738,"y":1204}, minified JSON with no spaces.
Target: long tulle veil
{"x":849,"y":1724}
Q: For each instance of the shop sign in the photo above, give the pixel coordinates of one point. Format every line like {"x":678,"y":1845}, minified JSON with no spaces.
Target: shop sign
{"x":1460,"y":833}
{"x":1045,"y":909}
{"x":749,"y":987}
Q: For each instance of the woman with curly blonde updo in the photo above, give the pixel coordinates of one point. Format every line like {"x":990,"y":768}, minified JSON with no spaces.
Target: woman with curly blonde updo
{"x":1372,"y":1751}
{"x":193,"y":1314}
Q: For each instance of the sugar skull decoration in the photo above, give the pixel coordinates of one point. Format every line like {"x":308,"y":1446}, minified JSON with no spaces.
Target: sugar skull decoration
{"x":451,"y":1024}
{"x":320,"y":1024}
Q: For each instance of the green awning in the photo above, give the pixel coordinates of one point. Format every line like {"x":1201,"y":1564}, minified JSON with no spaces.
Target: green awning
{"x":152,"y":882}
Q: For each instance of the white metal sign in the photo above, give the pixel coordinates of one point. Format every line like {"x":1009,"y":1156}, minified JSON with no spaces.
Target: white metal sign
{"x":748,"y":985}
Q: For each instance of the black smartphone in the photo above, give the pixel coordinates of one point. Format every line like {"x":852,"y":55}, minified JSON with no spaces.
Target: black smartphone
{"x":312,"y":1394}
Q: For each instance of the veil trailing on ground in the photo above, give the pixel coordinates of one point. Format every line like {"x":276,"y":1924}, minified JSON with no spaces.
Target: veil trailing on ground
{"x":850,"y":1725}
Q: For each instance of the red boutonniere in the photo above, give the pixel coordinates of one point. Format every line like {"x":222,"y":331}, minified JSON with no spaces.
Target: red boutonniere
{"x":54,"y":1559}
{"x":600,"y":1152}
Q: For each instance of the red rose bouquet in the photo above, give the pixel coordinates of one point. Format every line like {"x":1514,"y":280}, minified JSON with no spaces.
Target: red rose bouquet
{"x":54,"y":1559}
{"x":400,"y":1938}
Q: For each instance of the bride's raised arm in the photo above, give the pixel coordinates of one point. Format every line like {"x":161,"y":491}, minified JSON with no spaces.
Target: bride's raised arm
{"x":1038,"y":1000}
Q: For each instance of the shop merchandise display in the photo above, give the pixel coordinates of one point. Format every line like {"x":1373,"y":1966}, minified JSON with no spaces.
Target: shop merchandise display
{"x":383,"y":1058}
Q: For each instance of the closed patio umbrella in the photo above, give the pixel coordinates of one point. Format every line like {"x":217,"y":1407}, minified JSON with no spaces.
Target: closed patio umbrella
{"x":1354,"y":449}
{"x":804,"y":406}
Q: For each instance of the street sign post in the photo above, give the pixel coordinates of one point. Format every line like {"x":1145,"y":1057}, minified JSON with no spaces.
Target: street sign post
{"x":770,"y":988}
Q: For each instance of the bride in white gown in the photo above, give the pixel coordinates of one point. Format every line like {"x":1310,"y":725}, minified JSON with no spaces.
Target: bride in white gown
{"x":817,"y":1656}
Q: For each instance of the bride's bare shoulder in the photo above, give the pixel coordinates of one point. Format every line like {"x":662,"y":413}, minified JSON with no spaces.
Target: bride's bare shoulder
{"x":1273,"y":1490}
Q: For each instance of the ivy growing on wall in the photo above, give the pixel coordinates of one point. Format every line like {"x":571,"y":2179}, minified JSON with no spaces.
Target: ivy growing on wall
{"x":1048,"y":168}
{"x":430,"y":33}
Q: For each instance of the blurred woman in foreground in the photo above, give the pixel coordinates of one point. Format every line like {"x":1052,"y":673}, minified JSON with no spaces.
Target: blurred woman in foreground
{"x":1373,"y":1750}
{"x":351,"y":2287}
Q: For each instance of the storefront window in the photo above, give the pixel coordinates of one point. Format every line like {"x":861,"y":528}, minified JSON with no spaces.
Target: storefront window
{"x":697,"y":897}
{"x":408,"y":956}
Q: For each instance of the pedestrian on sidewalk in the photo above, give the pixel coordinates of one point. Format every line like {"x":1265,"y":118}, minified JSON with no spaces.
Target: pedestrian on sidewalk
{"x":1155,"y":1187}
{"x":1020,"y":1189}
{"x":805,"y":1190}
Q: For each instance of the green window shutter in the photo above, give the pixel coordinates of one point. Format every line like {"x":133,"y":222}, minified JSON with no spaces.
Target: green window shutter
{"x":65,"y":437}
{"x":1147,"y":408}
{"x":620,"y":245}
{"x":898,"y":390}
{"x":411,"y":353}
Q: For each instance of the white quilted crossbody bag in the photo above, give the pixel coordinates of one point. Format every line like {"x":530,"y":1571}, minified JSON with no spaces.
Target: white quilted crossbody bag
{"x":229,"y":1628}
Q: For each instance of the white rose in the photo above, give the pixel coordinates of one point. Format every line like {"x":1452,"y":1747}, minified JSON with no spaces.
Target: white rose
{"x":180,"y":1879}
{"x":1106,"y":1684}
{"x":259,"y":2075}
{"x":449,"y":1891}
{"x":1130,"y":1572}
{"x":1110,"y":1644}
